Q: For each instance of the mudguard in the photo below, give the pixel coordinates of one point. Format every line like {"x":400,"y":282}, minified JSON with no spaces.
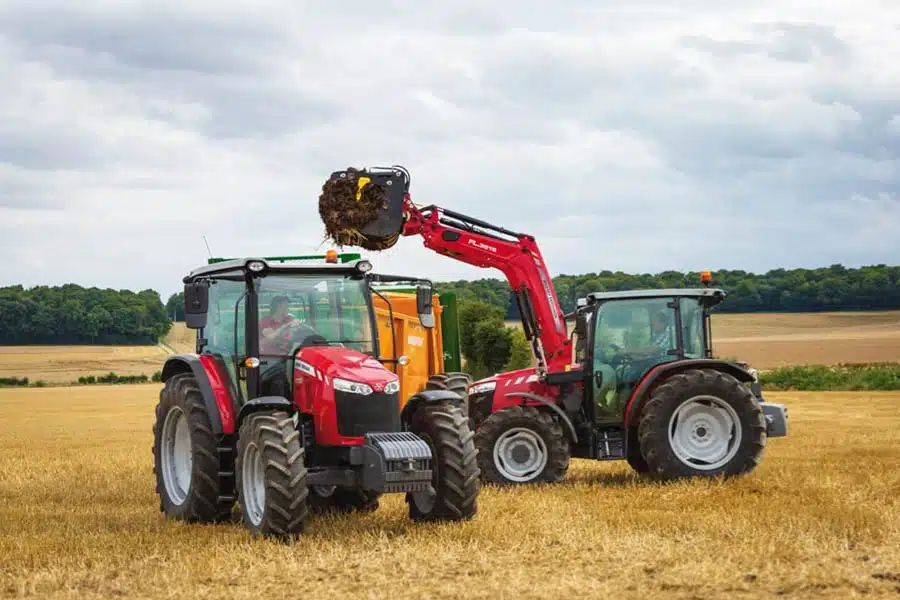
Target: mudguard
{"x":640,"y":393}
{"x":430,"y":397}
{"x":264,"y":403}
{"x":213,"y":382}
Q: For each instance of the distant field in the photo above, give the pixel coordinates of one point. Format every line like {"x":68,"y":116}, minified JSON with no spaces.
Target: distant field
{"x":820,"y":518}
{"x":776,"y":339}
{"x":63,"y":364}
{"x":181,"y":339}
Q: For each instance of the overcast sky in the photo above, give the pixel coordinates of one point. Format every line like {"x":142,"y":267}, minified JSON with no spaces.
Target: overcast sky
{"x":712,"y":135}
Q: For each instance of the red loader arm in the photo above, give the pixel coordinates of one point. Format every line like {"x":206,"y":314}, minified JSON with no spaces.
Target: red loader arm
{"x":515,"y":254}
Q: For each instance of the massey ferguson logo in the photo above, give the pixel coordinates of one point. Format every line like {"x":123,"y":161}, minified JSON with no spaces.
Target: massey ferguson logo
{"x":481,"y":245}
{"x":379,"y":387}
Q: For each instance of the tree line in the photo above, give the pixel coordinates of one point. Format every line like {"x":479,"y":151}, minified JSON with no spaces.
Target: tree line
{"x":831,"y":288}
{"x":71,"y":314}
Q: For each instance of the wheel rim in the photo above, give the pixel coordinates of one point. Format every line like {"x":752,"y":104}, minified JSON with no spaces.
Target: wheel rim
{"x":176,"y":458}
{"x":705,"y":433}
{"x":254,"y":484}
{"x":520,"y":454}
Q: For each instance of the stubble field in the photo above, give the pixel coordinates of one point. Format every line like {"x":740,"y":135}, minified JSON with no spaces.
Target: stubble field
{"x":820,"y":518}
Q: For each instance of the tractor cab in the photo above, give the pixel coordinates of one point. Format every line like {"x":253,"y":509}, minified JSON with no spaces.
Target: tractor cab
{"x":620,"y":336}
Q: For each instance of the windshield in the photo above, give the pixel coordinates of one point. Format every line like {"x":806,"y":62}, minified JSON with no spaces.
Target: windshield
{"x":302,"y":310}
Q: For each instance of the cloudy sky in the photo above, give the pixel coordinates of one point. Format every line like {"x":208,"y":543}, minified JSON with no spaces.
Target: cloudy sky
{"x":641,"y":135}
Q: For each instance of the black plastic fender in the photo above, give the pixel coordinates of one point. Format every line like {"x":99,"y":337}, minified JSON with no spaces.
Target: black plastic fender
{"x":430,"y":397}
{"x":553,"y":406}
{"x":639,"y":396}
{"x":264,"y":403}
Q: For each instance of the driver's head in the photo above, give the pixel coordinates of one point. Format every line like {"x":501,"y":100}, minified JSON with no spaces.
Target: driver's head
{"x":658,"y":323}
{"x":279,"y":307}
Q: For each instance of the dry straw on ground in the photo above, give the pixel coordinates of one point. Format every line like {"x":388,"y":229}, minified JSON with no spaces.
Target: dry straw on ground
{"x":819,"y":519}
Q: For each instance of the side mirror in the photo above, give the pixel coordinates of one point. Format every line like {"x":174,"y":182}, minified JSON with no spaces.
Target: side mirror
{"x":196,"y":304}
{"x":425,"y":306}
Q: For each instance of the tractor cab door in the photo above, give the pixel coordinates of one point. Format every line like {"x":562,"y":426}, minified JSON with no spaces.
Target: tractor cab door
{"x":629,"y":338}
{"x":224,"y":334}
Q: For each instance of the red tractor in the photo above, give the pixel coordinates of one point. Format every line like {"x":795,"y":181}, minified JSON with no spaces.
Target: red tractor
{"x":287,"y":415}
{"x":636,"y":380}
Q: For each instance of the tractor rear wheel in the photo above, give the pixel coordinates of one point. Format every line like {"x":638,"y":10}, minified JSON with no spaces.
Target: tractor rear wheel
{"x":701,"y":423}
{"x":343,"y":500}
{"x":521,"y":444}
{"x":185,"y":455}
{"x":271,"y":475}
{"x":454,"y":465}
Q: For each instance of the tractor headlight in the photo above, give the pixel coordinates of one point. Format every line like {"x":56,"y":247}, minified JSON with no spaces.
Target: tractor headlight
{"x":481,"y":388}
{"x":393,"y":387}
{"x":256,"y":266}
{"x":363,"y":266}
{"x":351,"y":387}
{"x":754,"y":374}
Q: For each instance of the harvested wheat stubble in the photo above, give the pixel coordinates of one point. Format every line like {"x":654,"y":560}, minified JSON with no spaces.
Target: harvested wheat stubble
{"x":345,"y":215}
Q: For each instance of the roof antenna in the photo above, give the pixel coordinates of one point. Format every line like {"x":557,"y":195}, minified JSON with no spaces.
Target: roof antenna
{"x":207,"y":246}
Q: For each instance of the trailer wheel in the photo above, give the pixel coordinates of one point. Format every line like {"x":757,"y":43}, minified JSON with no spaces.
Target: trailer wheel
{"x":271,"y":475}
{"x":521,"y":444}
{"x":323,"y":499}
{"x":185,"y":455}
{"x":454,"y":465}
{"x":701,"y":423}
{"x":453,"y":381}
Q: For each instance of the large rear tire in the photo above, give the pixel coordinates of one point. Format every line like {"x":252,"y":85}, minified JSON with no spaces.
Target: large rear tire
{"x":185,"y":456}
{"x":445,"y":429}
{"x":271,"y":475}
{"x":701,"y":423}
{"x":522,"y":445}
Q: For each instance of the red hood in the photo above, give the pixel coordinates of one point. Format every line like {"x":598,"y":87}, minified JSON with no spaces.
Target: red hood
{"x":331,"y":361}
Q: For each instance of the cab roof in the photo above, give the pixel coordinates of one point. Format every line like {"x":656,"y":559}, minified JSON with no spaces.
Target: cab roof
{"x":714,"y":295}
{"x":283,"y":268}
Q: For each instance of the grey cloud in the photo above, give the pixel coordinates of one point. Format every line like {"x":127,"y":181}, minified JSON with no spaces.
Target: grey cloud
{"x":599,"y":128}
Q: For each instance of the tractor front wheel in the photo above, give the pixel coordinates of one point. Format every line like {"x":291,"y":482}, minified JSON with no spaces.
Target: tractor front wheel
{"x":521,"y":444}
{"x":454,"y":466}
{"x":271,"y":475}
{"x":701,"y":423}
{"x":185,"y":456}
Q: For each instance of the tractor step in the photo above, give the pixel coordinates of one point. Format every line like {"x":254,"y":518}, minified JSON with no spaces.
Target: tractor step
{"x":611,"y":444}
{"x":226,"y":474}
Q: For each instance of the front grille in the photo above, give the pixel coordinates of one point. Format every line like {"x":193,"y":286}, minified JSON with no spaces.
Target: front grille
{"x":358,"y":415}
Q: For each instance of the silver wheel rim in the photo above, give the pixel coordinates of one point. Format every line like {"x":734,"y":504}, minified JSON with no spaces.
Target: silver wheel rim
{"x":254,"y":484}
{"x":520,"y":454}
{"x":705,"y":433}
{"x":176,"y":460}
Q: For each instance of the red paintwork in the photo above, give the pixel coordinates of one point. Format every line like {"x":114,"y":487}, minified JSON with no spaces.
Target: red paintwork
{"x":314,"y":392}
{"x":217,"y":381}
{"x":520,"y":261}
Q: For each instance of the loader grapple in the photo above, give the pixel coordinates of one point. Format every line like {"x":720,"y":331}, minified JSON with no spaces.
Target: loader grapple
{"x":340,"y":212}
{"x":396,"y":462}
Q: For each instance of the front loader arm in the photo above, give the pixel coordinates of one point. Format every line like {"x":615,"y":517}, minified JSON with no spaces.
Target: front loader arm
{"x":517,"y":255}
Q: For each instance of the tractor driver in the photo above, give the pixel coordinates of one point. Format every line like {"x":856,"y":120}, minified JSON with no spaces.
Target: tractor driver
{"x":277,"y":328}
{"x":660,"y":333}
